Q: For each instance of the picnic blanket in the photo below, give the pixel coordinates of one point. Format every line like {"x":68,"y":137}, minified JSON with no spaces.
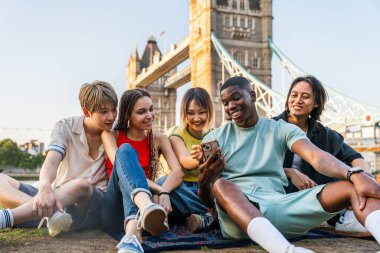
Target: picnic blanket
{"x":181,"y":238}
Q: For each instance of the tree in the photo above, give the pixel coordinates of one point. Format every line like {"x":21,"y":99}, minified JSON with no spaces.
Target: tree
{"x":12,"y":157}
{"x":10,"y":154}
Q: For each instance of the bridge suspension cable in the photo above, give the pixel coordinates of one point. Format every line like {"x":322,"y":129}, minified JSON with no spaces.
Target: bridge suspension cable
{"x":268,"y":100}
{"x":340,"y":109}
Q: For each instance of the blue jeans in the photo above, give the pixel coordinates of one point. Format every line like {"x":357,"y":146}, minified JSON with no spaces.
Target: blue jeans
{"x":126,"y":180}
{"x":193,"y":186}
{"x":184,"y":201}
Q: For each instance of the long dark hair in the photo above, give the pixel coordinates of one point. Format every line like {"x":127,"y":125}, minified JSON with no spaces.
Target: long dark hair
{"x":127,"y":102}
{"x":320,"y":95}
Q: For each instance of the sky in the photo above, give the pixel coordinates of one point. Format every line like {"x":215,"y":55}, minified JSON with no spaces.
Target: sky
{"x":48,"y":49}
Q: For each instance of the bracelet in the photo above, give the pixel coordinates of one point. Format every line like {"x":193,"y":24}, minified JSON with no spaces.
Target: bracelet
{"x":163,"y":193}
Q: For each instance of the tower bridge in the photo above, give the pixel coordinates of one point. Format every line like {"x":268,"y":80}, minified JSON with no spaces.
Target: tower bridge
{"x":161,"y":64}
{"x":233,"y":37}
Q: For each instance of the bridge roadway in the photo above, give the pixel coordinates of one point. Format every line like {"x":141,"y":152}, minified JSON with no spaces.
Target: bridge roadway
{"x":170,"y":60}
{"x":179,"y":79}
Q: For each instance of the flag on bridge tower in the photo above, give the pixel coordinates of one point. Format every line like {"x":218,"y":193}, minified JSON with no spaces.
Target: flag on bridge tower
{"x":161,"y":34}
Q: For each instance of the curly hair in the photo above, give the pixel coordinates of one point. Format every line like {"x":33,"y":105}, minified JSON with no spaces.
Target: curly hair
{"x":127,"y":102}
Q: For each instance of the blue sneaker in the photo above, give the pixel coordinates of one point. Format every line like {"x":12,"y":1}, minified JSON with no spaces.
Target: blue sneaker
{"x":129,"y":244}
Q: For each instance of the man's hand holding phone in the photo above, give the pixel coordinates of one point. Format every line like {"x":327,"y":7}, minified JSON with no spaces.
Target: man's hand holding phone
{"x":202,"y":152}
{"x":213,"y":162}
{"x":208,"y":149}
{"x":209,"y":170}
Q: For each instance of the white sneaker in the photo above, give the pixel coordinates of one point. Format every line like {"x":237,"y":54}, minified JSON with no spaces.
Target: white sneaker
{"x":59,"y":222}
{"x":348,"y":225}
{"x":294,"y":249}
{"x":152,"y":218}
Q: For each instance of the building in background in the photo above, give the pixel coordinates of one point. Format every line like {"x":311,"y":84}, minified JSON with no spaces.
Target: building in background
{"x":163,"y":99}
{"x":33,"y":147}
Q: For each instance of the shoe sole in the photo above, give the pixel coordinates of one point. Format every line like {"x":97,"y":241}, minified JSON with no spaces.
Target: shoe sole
{"x":193,"y":222}
{"x":354,"y":234}
{"x":154,"y":222}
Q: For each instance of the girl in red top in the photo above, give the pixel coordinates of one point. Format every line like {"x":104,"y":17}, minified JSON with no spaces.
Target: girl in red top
{"x":135,"y":121}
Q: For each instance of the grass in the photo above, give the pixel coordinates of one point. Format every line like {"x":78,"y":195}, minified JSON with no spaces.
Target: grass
{"x":8,"y":235}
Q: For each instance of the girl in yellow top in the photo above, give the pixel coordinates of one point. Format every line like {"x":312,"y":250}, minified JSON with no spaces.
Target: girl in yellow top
{"x":197,"y":113}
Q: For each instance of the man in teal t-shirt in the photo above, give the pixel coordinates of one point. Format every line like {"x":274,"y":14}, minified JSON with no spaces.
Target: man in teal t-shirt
{"x":257,"y":152}
{"x":247,"y":180}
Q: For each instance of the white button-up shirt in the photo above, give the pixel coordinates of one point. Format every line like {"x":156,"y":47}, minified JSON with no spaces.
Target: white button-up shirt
{"x":69,"y":139}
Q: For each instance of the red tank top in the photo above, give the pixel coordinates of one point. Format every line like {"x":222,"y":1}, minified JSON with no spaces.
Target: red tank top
{"x":141,"y":147}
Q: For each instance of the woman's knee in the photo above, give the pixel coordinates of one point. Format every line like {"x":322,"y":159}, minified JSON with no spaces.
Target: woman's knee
{"x":125,"y":149}
{"x":125,"y":152}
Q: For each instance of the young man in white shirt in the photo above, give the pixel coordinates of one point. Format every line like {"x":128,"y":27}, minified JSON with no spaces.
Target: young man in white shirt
{"x":73,"y":175}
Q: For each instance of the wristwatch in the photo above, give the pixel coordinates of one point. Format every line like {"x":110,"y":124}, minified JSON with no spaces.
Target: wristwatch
{"x":353,"y":170}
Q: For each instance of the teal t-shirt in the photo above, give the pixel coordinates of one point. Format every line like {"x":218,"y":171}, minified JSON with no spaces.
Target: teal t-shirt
{"x":254,"y":156}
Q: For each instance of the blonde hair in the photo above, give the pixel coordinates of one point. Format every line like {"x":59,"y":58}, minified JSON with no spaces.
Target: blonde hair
{"x":93,"y":96}
{"x":202,"y":99}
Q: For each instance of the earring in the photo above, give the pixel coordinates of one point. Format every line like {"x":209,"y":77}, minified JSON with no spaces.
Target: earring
{"x":128,"y":124}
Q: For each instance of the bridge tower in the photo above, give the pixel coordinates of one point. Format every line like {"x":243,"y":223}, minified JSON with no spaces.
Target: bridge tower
{"x":163,"y":99}
{"x":243,"y":26}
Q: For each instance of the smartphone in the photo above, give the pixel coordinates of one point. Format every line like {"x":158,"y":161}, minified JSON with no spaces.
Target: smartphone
{"x":208,"y":148}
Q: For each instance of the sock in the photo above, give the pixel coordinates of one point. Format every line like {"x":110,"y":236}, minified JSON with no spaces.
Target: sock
{"x":372,"y":223}
{"x":6,"y":218}
{"x":267,"y":236}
